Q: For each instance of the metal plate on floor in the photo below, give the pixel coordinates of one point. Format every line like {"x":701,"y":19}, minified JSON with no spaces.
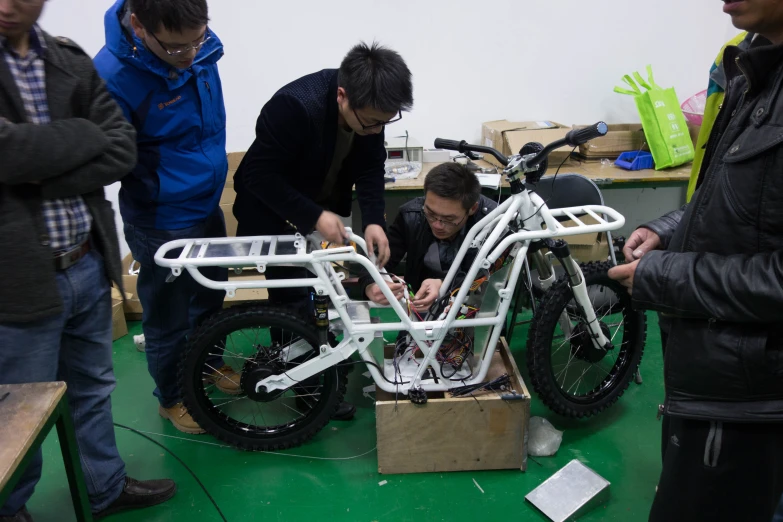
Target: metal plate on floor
{"x":570,"y":493}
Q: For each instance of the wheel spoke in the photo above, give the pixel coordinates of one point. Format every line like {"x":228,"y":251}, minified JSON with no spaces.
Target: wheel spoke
{"x":258,"y":343}
{"x":564,"y":355}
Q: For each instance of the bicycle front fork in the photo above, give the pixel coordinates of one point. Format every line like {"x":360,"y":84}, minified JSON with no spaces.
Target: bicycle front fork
{"x":576,"y":281}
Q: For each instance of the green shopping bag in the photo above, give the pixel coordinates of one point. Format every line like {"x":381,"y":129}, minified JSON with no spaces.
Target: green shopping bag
{"x":664,"y":124}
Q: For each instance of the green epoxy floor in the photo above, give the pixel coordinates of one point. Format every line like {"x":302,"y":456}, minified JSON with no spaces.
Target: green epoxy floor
{"x":622,"y":445}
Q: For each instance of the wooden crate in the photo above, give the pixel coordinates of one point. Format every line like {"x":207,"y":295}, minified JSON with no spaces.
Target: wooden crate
{"x":455,"y":434}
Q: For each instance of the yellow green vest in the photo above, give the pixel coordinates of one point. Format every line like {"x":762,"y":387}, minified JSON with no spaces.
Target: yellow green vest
{"x":715,"y":94}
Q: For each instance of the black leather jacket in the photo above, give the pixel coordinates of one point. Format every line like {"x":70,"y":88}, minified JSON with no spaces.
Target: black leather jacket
{"x":720,"y":279}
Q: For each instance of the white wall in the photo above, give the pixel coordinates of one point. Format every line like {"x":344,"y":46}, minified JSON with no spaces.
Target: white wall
{"x":471,"y":61}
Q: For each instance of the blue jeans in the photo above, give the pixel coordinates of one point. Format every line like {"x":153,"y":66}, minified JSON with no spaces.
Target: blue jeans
{"x":779,"y":513}
{"x":75,"y":347}
{"x":171,"y":310}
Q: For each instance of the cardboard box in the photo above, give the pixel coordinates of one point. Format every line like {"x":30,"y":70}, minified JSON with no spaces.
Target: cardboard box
{"x":587,"y":247}
{"x":130,"y":269}
{"x":234,"y":159}
{"x":594,"y":252}
{"x":455,"y":434}
{"x":119,"y":328}
{"x":245,"y":295}
{"x":227,"y":207}
{"x":228,"y":196}
{"x":509,"y":137}
{"x":620,"y":138}
{"x":231,"y":221}
{"x":131,"y":306}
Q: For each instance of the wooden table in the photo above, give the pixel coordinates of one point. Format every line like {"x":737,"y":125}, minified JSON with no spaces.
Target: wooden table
{"x":599,"y":173}
{"x":27,"y":414}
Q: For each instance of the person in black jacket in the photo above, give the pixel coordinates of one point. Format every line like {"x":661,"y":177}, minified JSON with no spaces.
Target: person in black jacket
{"x":428,"y":232}
{"x":62,"y":139}
{"x":316,"y":138}
{"x":714,"y":269}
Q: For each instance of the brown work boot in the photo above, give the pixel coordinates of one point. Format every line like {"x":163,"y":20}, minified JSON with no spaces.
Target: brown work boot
{"x":181,"y":419}
{"x":226,"y":380}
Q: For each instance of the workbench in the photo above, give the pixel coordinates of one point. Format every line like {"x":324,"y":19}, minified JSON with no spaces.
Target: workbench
{"x":640,"y":195}
{"x":601,"y":174}
{"x":27,"y":414}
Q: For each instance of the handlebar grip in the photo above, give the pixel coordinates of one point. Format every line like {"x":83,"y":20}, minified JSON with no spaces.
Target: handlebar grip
{"x":582,"y":136}
{"x":440,"y":143}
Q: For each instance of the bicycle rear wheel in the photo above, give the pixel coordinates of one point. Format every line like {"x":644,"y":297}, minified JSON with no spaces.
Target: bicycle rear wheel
{"x":262,"y":341}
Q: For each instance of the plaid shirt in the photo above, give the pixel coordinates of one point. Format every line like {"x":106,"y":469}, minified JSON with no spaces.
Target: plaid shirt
{"x":68,"y":220}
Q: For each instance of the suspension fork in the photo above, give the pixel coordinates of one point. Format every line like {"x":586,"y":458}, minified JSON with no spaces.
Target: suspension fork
{"x":546,"y":274}
{"x":578,"y":286}
{"x":547,"y":277}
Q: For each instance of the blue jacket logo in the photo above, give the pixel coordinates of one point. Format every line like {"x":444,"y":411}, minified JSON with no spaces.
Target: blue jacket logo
{"x":162,"y":106}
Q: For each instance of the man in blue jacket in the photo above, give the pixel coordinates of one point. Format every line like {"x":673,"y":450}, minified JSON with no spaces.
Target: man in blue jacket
{"x":160,"y":64}
{"x":316,"y":138}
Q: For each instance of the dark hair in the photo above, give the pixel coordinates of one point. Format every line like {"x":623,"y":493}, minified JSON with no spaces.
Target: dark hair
{"x":376,"y":77}
{"x":173,"y":15}
{"x":454,"y":181}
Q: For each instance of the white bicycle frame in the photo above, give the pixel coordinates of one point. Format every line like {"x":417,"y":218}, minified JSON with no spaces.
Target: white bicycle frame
{"x":353,"y":317}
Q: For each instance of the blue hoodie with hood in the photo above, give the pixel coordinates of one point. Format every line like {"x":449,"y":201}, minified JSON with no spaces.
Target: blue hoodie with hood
{"x":180,"y":120}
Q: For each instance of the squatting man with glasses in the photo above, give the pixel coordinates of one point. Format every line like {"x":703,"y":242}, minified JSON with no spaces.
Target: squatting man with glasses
{"x":430,"y":230}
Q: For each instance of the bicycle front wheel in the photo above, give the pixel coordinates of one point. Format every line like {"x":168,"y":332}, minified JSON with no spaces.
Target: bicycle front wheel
{"x":572,"y":376}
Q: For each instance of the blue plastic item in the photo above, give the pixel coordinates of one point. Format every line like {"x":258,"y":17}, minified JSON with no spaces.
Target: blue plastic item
{"x":635,"y":160}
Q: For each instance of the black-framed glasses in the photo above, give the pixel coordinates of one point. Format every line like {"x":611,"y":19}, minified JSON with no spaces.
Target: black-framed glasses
{"x":376,"y":125}
{"x":432,"y":218}
{"x":180,"y":50}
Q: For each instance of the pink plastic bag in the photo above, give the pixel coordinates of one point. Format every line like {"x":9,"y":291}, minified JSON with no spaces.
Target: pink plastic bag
{"x":693,"y":108}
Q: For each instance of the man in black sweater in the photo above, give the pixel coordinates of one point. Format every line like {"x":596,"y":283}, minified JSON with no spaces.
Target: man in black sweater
{"x":315,"y":139}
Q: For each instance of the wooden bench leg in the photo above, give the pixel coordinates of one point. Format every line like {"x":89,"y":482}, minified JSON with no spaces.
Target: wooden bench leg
{"x":73,"y":466}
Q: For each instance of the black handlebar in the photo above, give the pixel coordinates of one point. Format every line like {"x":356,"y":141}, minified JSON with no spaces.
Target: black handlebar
{"x":440,"y":143}
{"x":573,"y":139}
{"x":582,"y":136}
{"x":463,"y":147}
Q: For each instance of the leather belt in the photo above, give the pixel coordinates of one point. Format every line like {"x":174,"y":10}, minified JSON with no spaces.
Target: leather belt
{"x":68,"y":259}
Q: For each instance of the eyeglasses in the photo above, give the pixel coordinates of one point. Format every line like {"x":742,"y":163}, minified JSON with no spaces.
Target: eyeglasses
{"x":376,"y":125}
{"x":180,"y":50}
{"x":432,"y":218}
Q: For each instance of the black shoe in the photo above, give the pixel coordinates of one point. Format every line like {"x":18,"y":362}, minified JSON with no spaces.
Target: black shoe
{"x":21,"y":516}
{"x":140,"y":494}
{"x":344,"y":412}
